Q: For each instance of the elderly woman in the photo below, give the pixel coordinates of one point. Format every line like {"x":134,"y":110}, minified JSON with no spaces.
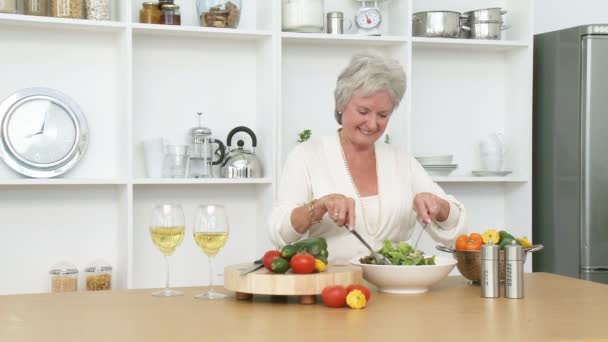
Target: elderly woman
{"x":352,"y":180}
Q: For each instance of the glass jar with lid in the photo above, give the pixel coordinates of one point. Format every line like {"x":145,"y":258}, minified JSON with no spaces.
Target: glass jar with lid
{"x":170,"y":15}
{"x":99,"y":9}
{"x":98,"y":276}
{"x":64,"y":277}
{"x":8,"y":6}
{"x":36,"y":7}
{"x":219,"y":13}
{"x":150,"y":13}
{"x":67,"y":9}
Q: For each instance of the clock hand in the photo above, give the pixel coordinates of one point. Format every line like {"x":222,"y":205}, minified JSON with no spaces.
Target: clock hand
{"x":44,"y":122}
{"x":369,"y":21}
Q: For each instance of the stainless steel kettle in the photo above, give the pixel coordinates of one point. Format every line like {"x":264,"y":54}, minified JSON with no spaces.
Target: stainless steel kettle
{"x":239,"y":162}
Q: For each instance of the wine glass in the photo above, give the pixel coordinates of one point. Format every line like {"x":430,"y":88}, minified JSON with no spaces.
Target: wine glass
{"x":210,"y":234}
{"x":167,"y":233}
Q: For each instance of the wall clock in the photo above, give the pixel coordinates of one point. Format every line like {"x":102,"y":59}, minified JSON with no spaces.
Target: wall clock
{"x":43,"y":132}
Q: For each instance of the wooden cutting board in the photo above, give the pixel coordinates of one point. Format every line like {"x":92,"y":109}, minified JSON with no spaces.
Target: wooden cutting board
{"x":267,"y":283}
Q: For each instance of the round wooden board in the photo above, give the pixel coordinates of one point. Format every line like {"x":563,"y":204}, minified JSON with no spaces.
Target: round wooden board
{"x":267,"y":283}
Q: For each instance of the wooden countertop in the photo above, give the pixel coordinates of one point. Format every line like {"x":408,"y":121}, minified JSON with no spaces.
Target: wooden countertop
{"x":555,"y":309}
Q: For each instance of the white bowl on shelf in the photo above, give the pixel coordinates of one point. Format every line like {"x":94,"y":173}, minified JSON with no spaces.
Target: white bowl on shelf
{"x":435,"y":160}
{"x":440,"y":170}
{"x":406,"y":279}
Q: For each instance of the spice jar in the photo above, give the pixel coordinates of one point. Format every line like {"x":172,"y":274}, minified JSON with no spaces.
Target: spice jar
{"x":99,"y":9}
{"x":150,"y":13}
{"x":98,"y":276}
{"x":64,"y":277}
{"x":219,"y":13}
{"x":67,"y":9}
{"x":170,"y":15}
{"x":36,"y":7}
{"x":8,"y":6}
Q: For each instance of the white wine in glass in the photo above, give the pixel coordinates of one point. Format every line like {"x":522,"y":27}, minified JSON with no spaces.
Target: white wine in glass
{"x":167,"y":233}
{"x":211,"y":233}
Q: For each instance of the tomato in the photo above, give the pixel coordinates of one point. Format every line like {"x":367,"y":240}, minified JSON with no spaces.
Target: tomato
{"x":471,"y":242}
{"x":334,"y":296}
{"x":302,"y":263}
{"x":269,"y":257}
{"x":361,"y":288}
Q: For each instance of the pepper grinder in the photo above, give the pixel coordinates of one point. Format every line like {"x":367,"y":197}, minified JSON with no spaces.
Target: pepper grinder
{"x":514,"y":273}
{"x":490,"y":283}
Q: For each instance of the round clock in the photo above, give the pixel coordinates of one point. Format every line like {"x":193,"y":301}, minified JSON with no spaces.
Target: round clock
{"x":43,"y":132}
{"x":368,"y":20}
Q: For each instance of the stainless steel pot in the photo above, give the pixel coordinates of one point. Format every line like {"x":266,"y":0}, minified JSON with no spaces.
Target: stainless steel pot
{"x":485,"y":14}
{"x":445,"y":24}
{"x":469,"y":262}
{"x":485,"y":30}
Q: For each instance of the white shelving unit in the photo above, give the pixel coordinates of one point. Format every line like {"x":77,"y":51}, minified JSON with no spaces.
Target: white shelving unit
{"x":138,"y":81}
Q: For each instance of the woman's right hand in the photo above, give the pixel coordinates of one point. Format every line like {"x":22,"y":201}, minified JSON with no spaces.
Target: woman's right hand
{"x":339,"y":208}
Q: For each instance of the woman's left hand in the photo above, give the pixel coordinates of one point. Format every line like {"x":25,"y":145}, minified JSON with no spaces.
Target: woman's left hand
{"x":431,"y":208}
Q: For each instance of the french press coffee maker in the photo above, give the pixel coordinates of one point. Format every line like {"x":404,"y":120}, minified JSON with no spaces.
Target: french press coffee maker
{"x":201,"y":151}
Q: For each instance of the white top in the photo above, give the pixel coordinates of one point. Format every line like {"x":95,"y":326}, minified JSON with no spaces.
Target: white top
{"x":316,"y":168}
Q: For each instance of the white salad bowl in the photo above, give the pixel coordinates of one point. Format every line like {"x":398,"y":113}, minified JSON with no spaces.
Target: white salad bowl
{"x":406,"y":279}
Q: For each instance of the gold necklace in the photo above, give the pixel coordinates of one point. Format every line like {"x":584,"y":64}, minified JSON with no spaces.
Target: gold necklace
{"x":352,"y":181}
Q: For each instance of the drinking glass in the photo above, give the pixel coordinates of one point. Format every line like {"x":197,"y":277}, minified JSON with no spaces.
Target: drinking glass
{"x":210,"y":233}
{"x":167,"y":233}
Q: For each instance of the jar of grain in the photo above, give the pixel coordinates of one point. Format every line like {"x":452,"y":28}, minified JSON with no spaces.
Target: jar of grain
{"x":36,"y":7}
{"x":98,"y":276}
{"x":67,"y":9}
{"x":8,"y":6}
{"x":64,"y":277}
{"x":150,"y":13}
{"x":99,"y":9}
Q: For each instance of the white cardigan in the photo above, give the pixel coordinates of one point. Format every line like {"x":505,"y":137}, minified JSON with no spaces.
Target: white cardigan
{"x":316,"y":168}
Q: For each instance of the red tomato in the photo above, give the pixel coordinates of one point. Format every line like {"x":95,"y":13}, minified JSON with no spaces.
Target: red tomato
{"x":269,"y":257}
{"x":334,"y":296}
{"x":302,"y":263}
{"x":366,"y":292}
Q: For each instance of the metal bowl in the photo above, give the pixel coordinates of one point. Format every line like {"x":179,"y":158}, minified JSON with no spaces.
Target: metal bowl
{"x":469,"y":262}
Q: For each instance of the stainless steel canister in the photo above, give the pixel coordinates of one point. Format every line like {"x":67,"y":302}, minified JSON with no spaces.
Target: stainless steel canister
{"x":489,"y":271}
{"x":335,"y":22}
{"x":514,"y":275}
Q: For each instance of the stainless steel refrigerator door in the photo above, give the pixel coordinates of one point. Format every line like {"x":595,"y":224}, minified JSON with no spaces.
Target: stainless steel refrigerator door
{"x":594,"y":225}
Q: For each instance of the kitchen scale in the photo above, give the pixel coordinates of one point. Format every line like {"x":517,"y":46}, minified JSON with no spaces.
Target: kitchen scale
{"x":368,"y":18}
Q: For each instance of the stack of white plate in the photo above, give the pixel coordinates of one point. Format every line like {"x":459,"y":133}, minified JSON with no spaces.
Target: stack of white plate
{"x":438,"y":165}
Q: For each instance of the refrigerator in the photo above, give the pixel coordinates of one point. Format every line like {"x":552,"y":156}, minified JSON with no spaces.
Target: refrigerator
{"x":570,"y":152}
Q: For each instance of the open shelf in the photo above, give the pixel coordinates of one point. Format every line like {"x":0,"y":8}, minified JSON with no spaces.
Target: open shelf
{"x":346,"y":39}
{"x":62,"y":181}
{"x":156,"y":181}
{"x":465,"y":179}
{"x":60,"y":23}
{"x":498,"y":45}
{"x":193,"y":31}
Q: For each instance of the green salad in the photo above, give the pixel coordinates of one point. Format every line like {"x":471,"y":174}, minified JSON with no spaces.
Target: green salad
{"x":401,"y":253}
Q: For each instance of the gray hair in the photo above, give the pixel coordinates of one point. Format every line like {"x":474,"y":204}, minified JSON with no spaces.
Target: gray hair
{"x":367,"y":73}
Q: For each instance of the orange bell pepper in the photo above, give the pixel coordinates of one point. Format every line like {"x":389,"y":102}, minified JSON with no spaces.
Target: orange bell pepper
{"x":471,"y":242}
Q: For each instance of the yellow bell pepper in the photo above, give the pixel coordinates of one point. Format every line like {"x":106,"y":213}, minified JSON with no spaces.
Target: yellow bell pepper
{"x":320,"y":265}
{"x":490,"y":234}
{"x":525,"y":243}
{"x":356,"y":299}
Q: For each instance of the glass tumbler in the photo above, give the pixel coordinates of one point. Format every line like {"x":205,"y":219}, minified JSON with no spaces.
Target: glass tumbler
{"x":174,"y":164}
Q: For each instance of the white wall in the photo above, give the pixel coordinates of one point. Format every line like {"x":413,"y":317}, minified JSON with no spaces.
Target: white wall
{"x":551,"y":15}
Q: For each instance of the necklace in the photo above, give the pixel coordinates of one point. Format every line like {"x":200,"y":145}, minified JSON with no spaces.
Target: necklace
{"x":352,"y":181}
